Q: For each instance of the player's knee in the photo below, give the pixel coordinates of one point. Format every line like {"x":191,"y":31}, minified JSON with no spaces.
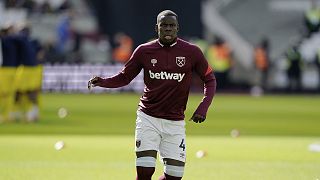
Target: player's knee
{"x":146,"y":158}
{"x":173,"y":172}
{"x":145,"y":163}
{"x":173,"y":169}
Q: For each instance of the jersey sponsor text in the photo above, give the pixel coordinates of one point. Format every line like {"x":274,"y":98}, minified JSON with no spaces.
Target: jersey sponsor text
{"x":166,"y":76}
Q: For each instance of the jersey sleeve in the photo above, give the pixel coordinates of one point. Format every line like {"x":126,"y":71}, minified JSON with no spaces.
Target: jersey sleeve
{"x":201,"y":66}
{"x":206,"y":74}
{"x":131,"y":69}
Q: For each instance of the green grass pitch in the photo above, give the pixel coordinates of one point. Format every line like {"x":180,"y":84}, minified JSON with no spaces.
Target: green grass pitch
{"x":275,"y":133}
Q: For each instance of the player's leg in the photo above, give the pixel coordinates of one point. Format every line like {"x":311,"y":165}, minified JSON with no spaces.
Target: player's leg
{"x":7,"y":92}
{"x":173,"y":149}
{"x":34,"y":85}
{"x":145,"y":164}
{"x":147,"y":144}
{"x":3,"y":94}
{"x":19,"y":88}
{"x":173,"y":167}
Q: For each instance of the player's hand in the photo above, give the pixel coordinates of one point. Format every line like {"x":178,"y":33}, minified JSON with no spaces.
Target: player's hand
{"x":197,"y":118}
{"x":93,"y":82}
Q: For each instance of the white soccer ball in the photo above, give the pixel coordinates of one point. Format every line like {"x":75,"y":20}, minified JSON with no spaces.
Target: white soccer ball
{"x":235,"y":133}
{"x":59,"y":145}
{"x":201,"y":154}
{"x":62,"y":112}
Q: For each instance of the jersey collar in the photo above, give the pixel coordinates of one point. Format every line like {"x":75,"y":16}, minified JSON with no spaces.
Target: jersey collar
{"x":173,"y":44}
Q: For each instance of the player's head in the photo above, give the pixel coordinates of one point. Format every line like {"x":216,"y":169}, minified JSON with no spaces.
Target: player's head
{"x":167,"y":27}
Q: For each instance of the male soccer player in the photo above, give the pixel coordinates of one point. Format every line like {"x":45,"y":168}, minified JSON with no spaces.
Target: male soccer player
{"x":8,"y":69}
{"x":168,"y":64}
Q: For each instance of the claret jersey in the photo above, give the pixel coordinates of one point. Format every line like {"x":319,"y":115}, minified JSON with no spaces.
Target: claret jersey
{"x":167,"y":76}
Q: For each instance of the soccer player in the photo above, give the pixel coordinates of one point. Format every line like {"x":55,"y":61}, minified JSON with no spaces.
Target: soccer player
{"x":168,"y":63}
{"x":8,"y":68}
{"x":29,"y":75}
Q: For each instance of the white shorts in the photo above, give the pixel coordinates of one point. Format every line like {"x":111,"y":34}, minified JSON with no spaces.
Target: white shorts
{"x":165,"y":136}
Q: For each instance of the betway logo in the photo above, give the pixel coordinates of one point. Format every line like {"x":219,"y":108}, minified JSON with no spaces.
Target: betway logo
{"x":166,"y":76}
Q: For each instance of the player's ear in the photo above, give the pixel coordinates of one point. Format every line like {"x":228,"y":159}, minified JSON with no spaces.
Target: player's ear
{"x":156,"y":28}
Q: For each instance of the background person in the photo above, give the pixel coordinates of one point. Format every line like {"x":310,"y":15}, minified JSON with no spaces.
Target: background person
{"x":262,"y":62}
{"x":29,"y":75}
{"x":8,"y":70}
{"x":219,"y":57}
{"x":294,"y":70}
{"x":312,"y":18}
{"x":124,"y":47}
{"x":317,"y":62}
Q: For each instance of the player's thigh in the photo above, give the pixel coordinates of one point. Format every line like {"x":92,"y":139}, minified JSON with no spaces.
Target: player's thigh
{"x":7,"y":76}
{"x":147,"y":133}
{"x":173,"y":144}
{"x":26,"y":78}
{"x":35,"y":77}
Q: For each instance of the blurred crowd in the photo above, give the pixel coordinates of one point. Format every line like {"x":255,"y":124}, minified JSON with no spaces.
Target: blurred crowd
{"x":39,"y":6}
{"x":304,"y":54}
{"x":21,"y":59}
{"x":22,"y":55}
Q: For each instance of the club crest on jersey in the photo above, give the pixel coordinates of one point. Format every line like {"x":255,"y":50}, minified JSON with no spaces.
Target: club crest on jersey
{"x":181,"y":61}
{"x":154,"y":62}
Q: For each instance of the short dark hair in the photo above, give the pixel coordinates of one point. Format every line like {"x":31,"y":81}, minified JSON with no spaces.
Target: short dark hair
{"x":166,"y":13}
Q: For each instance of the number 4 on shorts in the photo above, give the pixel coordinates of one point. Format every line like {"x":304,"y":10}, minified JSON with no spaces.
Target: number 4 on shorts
{"x":182,"y":145}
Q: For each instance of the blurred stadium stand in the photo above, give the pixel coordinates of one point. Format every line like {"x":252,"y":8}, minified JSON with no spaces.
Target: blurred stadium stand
{"x":241,"y":23}
{"x":244,"y":23}
{"x":74,"y":78}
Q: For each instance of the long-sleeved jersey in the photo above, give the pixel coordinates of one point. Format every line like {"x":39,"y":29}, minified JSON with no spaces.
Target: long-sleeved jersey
{"x":168,"y":72}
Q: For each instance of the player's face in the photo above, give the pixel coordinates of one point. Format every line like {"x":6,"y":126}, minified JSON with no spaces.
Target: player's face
{"x":167,"y":29}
